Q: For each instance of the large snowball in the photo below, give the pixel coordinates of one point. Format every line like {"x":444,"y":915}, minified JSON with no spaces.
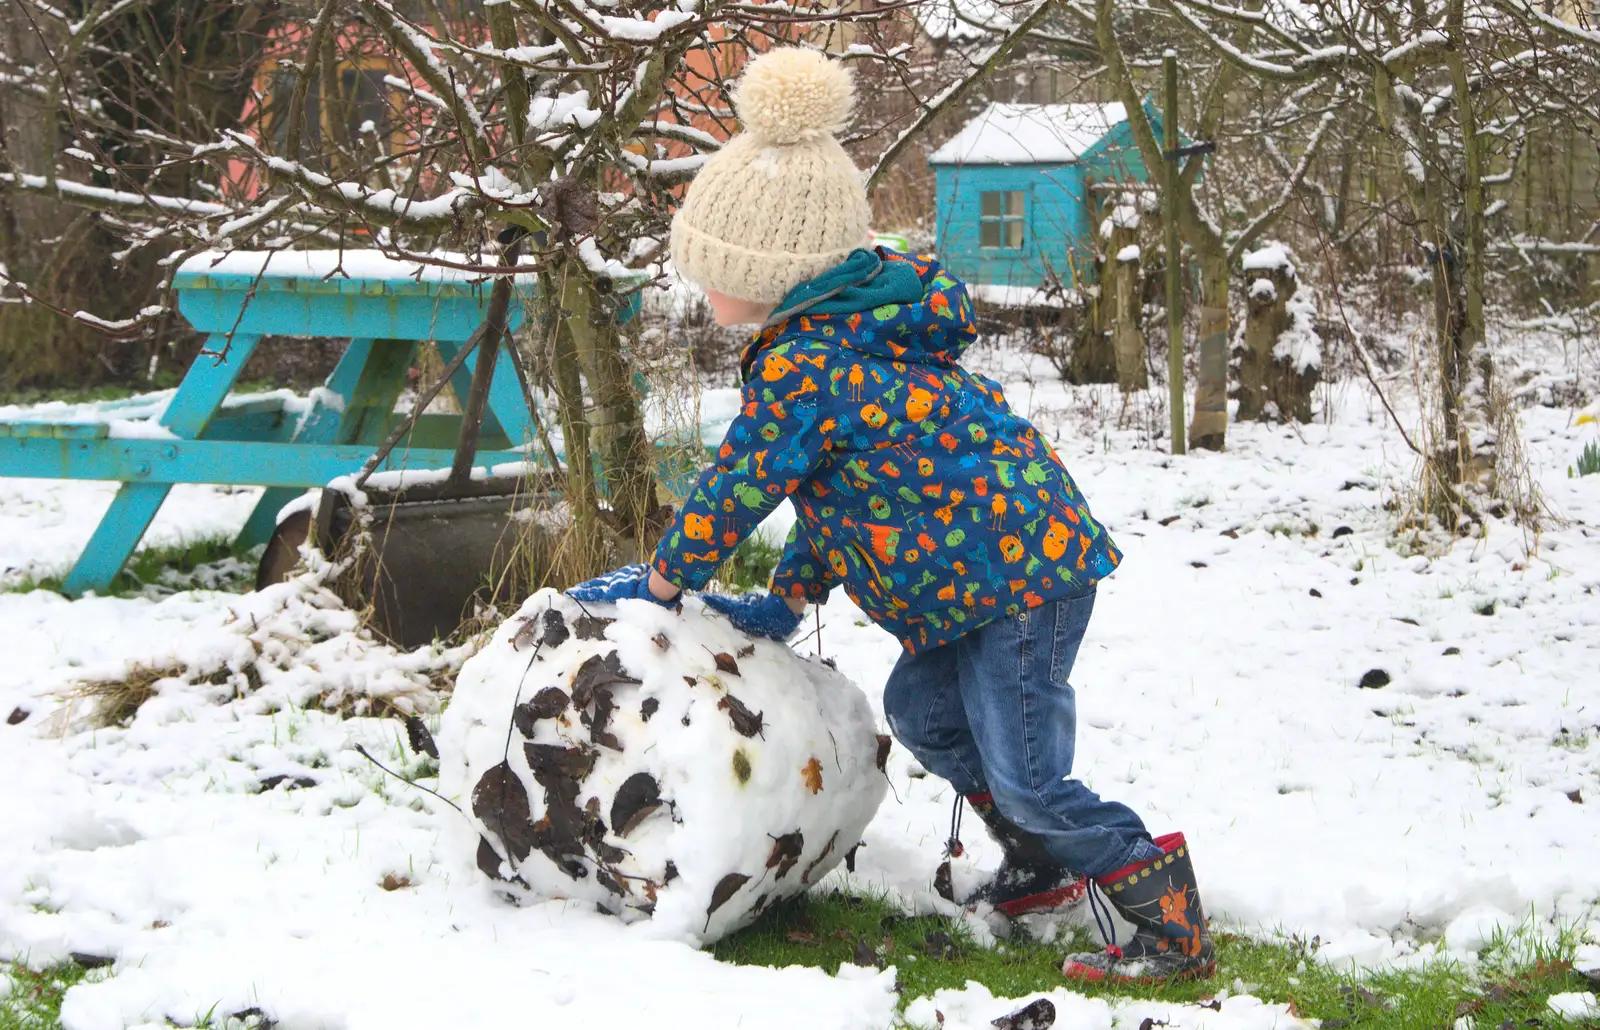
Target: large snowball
{"x":656,"y":763}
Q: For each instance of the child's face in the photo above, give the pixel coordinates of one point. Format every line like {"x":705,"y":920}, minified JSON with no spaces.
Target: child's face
{"x":731,"y":311}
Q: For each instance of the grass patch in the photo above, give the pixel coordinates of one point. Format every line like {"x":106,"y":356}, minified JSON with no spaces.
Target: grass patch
{"x":931,"y":952}
{"x":205,"y":564}
{"x":1507,"y":990}
{"x":34,"y":1000}
{"x":165,"y":379}
{"x":751,"y":566}
{"x":1588,"y":462}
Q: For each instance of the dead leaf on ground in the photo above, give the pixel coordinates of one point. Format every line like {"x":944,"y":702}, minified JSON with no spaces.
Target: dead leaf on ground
{"x":744,"y":720}
{"x":421,"y":740}
{"x":488,"y":859}
{"x":392,"y":882}
{"x":589,"y":627}
{"x":556,"y":760}
{"x":1040,"y":1015}
{"x":827,"y":849}
{"x":638,"y":796}
{"x":811,"y":773}
{"x":546,"y":704}
{"x":786,"y":852}
{"x":500,"y":802}
{"x":726,"y":888}
{"x":725,"y":663}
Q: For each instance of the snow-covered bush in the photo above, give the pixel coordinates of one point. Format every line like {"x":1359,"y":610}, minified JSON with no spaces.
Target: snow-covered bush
{"x":656,"y":763}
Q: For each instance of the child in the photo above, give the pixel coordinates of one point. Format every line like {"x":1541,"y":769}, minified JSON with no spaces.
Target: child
{"x":945,"y":516}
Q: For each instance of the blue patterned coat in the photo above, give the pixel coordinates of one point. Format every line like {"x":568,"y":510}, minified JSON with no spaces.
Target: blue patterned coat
{"x":917,"y":488}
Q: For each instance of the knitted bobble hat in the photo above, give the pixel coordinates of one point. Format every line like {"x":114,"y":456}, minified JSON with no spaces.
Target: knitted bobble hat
{"x":782,"y":201}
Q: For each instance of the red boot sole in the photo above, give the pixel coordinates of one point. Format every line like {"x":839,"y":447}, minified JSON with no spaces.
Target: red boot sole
{"x":1060,"y":897}
{"x":1088,"y":974}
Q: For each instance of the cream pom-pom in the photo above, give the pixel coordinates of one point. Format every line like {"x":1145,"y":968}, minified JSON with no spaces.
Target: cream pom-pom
{"x":790,"y":94}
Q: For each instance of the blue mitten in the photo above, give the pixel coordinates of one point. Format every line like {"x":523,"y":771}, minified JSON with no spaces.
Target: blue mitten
{"x":759,"y":615}
{"x":628,"y":581}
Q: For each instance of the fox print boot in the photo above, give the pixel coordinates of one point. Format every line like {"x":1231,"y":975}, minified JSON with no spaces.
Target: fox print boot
{"x":1029,"y":879}
{"x":1160,"y":898}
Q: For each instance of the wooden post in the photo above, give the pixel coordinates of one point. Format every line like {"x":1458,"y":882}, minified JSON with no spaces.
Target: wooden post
{"x":1169,"y":217}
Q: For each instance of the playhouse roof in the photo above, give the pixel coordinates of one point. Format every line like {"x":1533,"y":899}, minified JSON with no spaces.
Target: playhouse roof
{"x":1019,"y":134}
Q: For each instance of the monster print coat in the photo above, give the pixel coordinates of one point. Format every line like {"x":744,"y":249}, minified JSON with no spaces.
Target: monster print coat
{"x":916,"y":487}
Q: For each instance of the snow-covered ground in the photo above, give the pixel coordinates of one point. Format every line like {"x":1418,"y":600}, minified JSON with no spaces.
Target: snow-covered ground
{"x":1220,"y":693}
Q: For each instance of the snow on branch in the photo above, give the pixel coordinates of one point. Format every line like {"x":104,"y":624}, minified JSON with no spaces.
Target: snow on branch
{"x":383,"y":206}
{"x":1305,"y":66}
{"x":668,"y":168}
{"x":682,"y":133}
{"x":421,"y":94}
{"x":1256,"y":19}
{"x":1534,"y":245}
{"x":1526,"y":10}
{"x":114,"y":200}
{"x":640,"y":30}
{"x":1408,"y":54}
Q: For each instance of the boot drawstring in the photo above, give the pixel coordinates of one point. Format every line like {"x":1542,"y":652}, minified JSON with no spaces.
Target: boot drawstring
{"x":1098,"y":904}
{"x":943,"y":878}
{"x":953,"y":847}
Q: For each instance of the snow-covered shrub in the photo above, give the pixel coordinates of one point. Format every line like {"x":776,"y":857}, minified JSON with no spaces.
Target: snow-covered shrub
{"x":655,"y":763}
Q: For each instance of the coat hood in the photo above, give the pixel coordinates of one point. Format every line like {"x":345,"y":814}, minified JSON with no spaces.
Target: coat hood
{"x":933,"y":330}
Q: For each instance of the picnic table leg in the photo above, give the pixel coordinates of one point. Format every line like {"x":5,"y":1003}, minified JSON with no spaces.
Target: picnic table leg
{"x":508,"y":403}
{"x":367,"y":382}
{"x":461,"y":386}
{"x":114,"y":539}
{"x":378,"y":384}
{"x":123,"y":525}
{"x":264,"y":516}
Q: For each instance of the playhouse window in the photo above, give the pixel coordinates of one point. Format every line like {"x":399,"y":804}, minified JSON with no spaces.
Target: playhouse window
{"x":1000,"y":219}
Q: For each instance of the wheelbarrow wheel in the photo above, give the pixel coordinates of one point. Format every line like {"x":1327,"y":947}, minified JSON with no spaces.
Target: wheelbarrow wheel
{"x":282,"y":555}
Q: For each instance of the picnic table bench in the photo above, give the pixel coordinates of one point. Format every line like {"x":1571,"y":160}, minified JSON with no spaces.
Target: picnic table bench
{"x":386,"y":308}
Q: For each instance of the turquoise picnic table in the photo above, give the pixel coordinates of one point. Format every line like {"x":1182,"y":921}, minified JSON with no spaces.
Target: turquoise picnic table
{"x":386,"y":308}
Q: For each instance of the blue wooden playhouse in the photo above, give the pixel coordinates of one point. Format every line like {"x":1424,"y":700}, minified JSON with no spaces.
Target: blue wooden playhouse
{"x":1014,"y":190}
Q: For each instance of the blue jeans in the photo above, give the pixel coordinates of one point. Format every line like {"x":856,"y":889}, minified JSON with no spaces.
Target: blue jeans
{"x":992,"y":712}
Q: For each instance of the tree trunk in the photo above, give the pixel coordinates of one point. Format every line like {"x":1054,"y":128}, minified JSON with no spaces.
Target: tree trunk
{"x":1273,"y":384}
{"x":1472,"y":370}
{"x":584,"y":553}
{"x":1094,"y":359}
{"x":1127,"y":338}
{"x":626,"y":457}
{"x":1209,"y":427}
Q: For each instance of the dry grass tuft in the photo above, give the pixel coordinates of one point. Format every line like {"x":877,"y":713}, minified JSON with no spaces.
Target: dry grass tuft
{"x":116,"y":701}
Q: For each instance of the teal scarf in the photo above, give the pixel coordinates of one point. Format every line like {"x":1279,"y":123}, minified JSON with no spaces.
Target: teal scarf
{"x":861,"y":282}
